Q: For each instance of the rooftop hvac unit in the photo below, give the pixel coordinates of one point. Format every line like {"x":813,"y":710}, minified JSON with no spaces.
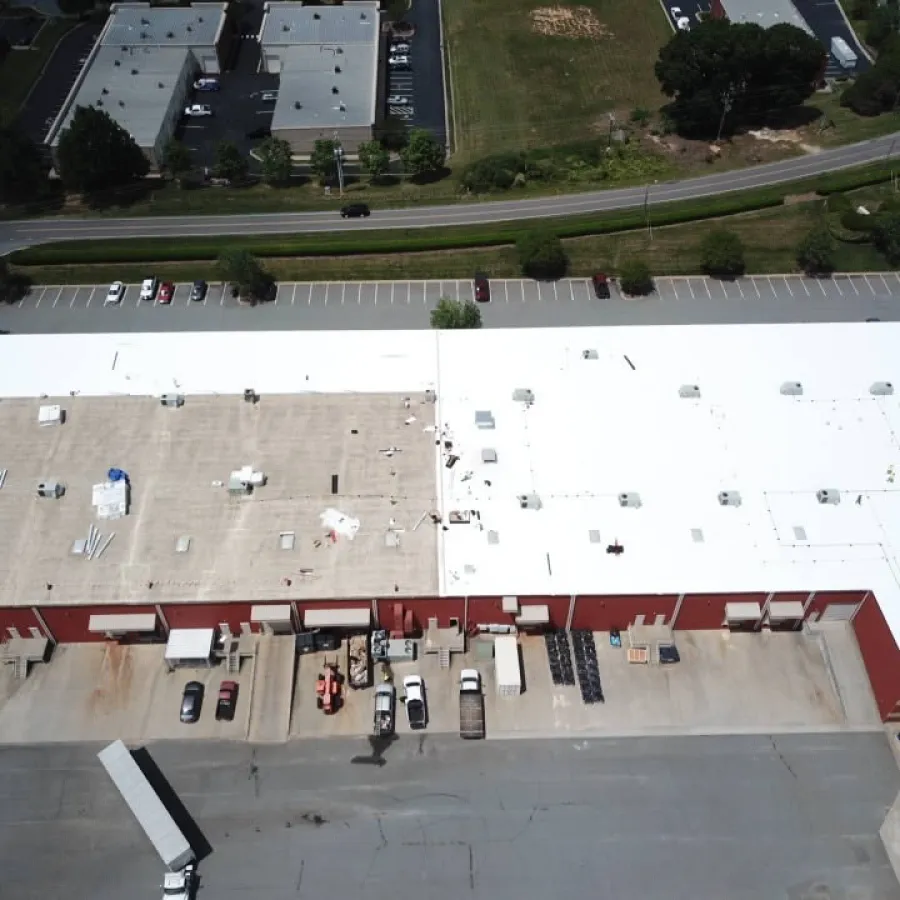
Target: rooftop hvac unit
{"x":829,"y":495}
{"x":523,"y":395}
{"x":484,"y":419}
{"x":729,"y":498}
{"x":250,"y":396}
{"x":881,"y":389}
{"x":589,"y":354}
{"x":51,"y":415}
{"x":792,"y":389}
{"x":689,"y":392}
{"x":51,"y":488}
{"x":172,"y":400}
{"x":630,"y":499}
{"x":529,"y":501}
{"x":489,"y":455}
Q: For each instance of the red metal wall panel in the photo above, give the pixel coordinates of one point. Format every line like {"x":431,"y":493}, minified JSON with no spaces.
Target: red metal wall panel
{"x":69,"y":624}
{"x":605,"y":612}
{"x":206,"y":615}
{"x":880,"y":655}
{"x":824,"y":598}
{"x":706,"y":611}
{"x":17,"y":617}
{"x":422,"y":608}
{"x":489,"y":610}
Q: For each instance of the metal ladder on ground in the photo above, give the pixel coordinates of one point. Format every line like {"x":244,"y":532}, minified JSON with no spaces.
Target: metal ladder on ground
{"x":20,"y":668}
{"x":444,"y":657}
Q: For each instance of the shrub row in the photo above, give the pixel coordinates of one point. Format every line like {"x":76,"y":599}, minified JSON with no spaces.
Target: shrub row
{"x":148,"y":250}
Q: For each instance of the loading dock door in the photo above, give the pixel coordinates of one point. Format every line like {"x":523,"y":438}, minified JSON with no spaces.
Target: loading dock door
{"x":275,"y":619}
{"x":338,"y":617}
{"x":742,"y":616}
{"x":838,"y":612}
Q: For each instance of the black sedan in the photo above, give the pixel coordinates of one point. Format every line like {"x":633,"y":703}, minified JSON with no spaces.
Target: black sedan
{"x":191,"y":701}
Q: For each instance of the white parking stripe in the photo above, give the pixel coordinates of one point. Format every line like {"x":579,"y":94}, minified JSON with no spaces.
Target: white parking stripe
{"x":743,"y":295}
{"x":755,"y":287}
{"x":294,"y":294}
{"x":869,"y":283}
{"x":884,"y":283}
{"x":853,"y":285}
{"x":690,"y":285}
{"x":72,"y":301}
{"x":818,"y":283}
{"x":787,"y":286}
{"x":805,"y":288}
{"x":93,"y":291}
{"x":555,"y":292}
{"x":56,"y":298}
{"x":392,"y":293}
{"x":675,"y":289}
{"x":837,"y":284}
{"x":706,"y":285}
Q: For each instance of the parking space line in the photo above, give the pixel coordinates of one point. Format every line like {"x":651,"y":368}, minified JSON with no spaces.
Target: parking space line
{"x":674,"y":289}
{"x":72,"y":301}
{"x":897,"y":277}
{"x":853,"y":285}
{"x":294,"y":294}
{"x":93,"y":291}
{"x":884,"y":283}
{"x":222,"y":298}
{"x":38,"y":303}
{"x":818,"y":283}
{"x":743,"y":296}
{"x":869,"y":283}
{"x":755,"y":288}
{"x":837,"y":284}
{"x":392,"y":293}
{"x":690,"y":285}
{"x":706,"y":285}
{"x":56,"y":298}
{"x":457,"y":291}
{"x":805,"y":288}
{"x":555,"y":292}
{"x":771,"y":287}
{"x":309,"y":296}
{"x":505,"y":291}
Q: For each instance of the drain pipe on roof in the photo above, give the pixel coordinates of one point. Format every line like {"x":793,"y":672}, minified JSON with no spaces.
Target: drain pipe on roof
{"x":42,"y":622}
{"x":678,"y":603}
{"x":162,"y":618}
{"x":571,"y":616}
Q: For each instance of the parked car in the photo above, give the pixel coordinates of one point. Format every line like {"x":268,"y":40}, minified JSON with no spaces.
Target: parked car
{"x":269,"y":96}
{"x":397,"y":100}
{"x":149,"y":287}
{"x":115,"y":293}
{"x":399,"y":48}
{"x":197,"y":109}
{"x":191,"y":702}
{"x":682,"y":22}
{"x":227,"y":702}
{"x":261,"y":132}
{"x":414,"y":699}
{"x":482,"y":288}
{"x":355,"y":210}
{"x":166,"y":291}
{"x":207,"y":84}
{"x":199,"y":289}
{"x":398,"y":61}
{"x":601,"y":286}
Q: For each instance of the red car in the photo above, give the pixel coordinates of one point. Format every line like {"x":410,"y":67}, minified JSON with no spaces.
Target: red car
{"x":482,"y":289}
{"x":601,"y":286}
{"x":166,"y":290}
{"x":227,"y":702}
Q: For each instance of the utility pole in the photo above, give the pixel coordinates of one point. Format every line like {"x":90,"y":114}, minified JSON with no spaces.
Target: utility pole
{"x":727,"y":102}
{"x":612,"y":122}
{"x":339,"y":160}
{"x":647,"y":209}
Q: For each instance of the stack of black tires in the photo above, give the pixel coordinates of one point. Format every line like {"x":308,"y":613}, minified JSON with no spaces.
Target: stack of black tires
{"x":559,"y":657}
{"x":585,"y":651}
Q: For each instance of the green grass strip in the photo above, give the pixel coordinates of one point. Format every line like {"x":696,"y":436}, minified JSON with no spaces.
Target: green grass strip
{"x":152,"y":250}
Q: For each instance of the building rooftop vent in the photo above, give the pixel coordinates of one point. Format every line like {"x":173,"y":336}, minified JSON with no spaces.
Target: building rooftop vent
{"x":881,"y":389}
{"x":689,"y":392}
{"x":630,"y":499}
{"x":792,"y":389}
{"x":489,"y":455}
{"x":334,"y":89}
{"x":176,"y":400}
{"x":697,"y":535}
{"x":594,"y":536}
{"x":316,"y":16}
{"x":51,"y":414}
{"x":831,"y":496}
{"x":529,"y":501}
{"x":589,"y":354}
{"x":183,"y":543}
{"x":523,"y":395}
{"x":484,"y":418}
{"x":493,"y":537}
{"x":729,"y":498}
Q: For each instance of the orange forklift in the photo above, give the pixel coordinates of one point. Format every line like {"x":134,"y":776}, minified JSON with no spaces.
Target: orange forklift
{"x":329,"y":688}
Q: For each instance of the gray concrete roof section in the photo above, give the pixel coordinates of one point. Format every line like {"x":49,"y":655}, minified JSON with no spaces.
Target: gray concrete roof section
{"x":765,"y":13}
{"x":135,"y":85}
{"x":179,"y":462}
{"x":137,"y":24}
{"x":27,"y":232}
{"x":329,"y":63}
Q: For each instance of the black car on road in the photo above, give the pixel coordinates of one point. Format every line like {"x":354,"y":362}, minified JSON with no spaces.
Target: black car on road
{"x":355,"y":211}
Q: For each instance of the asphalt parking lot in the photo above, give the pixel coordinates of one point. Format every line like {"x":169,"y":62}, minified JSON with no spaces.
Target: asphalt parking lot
{"x":515,"y":303}
{"x":826,"y":20}
{"x":745,"y":818}
{"x":50,"y":91}
{"x":20,"y":31}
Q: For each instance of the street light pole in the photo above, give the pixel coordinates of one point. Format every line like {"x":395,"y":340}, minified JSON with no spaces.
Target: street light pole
{"x":647,"y":209}
{"x":339,"y":159}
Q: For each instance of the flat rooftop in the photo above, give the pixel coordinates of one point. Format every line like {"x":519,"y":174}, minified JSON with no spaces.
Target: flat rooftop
{"x":139,"y":24}
{"x":179,"y":461}
{"x":328,"y":60}
{"x":606,"y":419}
{"x":135,"y":85}
{"x":765,"y":13}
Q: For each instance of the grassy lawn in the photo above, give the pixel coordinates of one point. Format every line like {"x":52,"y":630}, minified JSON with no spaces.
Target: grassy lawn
{"x":515,"y":87}
{"x":848,"y":126}
{"x":769,"y":237}
{"x":21,"y":68}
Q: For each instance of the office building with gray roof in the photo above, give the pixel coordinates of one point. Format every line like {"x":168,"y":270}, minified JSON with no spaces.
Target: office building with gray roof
{"x":142,"y":67}
{"x":327,"y":58}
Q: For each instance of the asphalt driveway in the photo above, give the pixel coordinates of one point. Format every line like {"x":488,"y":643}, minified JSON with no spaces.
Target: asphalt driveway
{"x":427,"y":70}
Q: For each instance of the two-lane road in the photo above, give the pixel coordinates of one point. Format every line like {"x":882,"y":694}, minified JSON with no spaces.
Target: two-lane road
{"x":17,"y":234}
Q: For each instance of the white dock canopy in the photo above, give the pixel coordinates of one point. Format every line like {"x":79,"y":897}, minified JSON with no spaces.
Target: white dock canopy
{"x":536,"y":614}
{"x":743,"y":611}
{"x":130,"y":623}
{"x":190,"y":645}
{"x":785,"y":609}
{"x":276,"y":614}
{"x":338,"y":617}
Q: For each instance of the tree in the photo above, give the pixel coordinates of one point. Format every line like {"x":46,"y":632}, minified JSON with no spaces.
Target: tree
{"x":75,"y":7}
{"x":13,"y":285}
{"x":723,"y":254}
{"x":877,"y":89}
{"x":322,"y":160}
{"x":423,"y":154}
{"x":886,"y":236}
{"x":22,"y":173}
{"x":883,"y":22}
{"x":230,"y":162}
{"x":177,"y":159}
{"x":815,"y":254}
{"x":275,"y":158}
{"x":455,"y":314}
{"x":635,"y":278}
{"x":243,"y":270}
{"x":374,"y":158}
{"x":95,"y":153}
{"x":541,"y":255}
{"x":720,"y":74}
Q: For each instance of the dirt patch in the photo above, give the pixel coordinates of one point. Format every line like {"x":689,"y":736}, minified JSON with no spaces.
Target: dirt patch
{"x":784,"y":136}
{"x":568,"y":22}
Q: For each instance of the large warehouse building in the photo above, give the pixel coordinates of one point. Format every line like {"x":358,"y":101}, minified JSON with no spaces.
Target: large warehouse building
{"x":706,"y":477}
{"x":327,"y":60}
{"x":142,"y":67}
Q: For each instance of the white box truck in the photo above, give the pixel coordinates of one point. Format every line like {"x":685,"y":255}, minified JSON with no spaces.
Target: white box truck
{"x":507,"y":668}
{"x":841,"y":51}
